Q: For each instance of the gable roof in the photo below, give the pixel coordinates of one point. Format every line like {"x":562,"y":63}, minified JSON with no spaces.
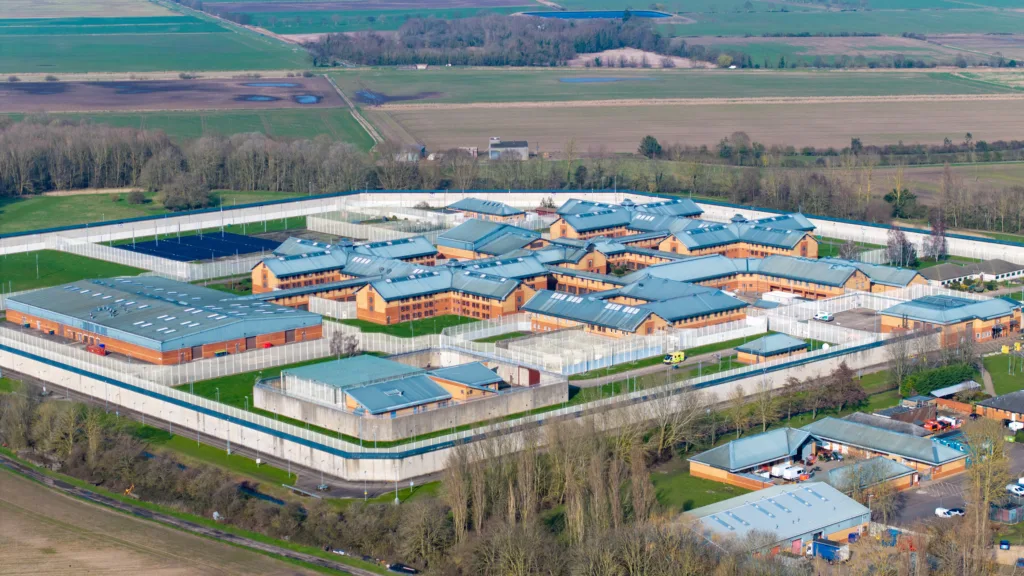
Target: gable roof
{"x":694,"y":305}
{"x":587,"y":310}
{"x":923,"y":450}
{"x":514,"y":267}
{"x":352,"y":372}
{"x":1012,"y":402}
{"x":485,"y":207}
{"x":755,"y":450}
{"x":772,"y":345}
{"x":397,"y":249}
{"x":672,"y":207}
{"x":487,"y":237}
{"x":878,"y":274}
{"x":697,"y":238}
{"x":444,"y":280}
{"x":590,"y":221}
{"x":951,"y":309}
{"x":654,"y":289}
{"x":949,"y":270}
{"x":867,"y":473}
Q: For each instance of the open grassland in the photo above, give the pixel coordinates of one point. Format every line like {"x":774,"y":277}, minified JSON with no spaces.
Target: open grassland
{"x":42,"y":532}
{"x":139,"y":44}
{"x":80,"y":8}
{"x":37,"y":212}
{"x":19,"y":271}
{"x":520,"y":85}
{"x":766,"y":52}
{"x":620,"y":128}
{"x":334,"y":123}
{"x":331,"y":22}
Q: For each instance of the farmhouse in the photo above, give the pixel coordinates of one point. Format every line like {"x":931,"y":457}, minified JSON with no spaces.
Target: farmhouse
{"x":793,"y":514}
{"x":158,"y":320}
{"x":771,"y":347}
{"x":980,"y":320}
{"x":487,"y":210}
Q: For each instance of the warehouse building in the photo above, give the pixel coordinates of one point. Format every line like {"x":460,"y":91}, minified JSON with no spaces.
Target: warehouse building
{"x":793,"y":515}
{"x":487,"y":210}
{"x":980,"y":320}
{"x":158,"y":320}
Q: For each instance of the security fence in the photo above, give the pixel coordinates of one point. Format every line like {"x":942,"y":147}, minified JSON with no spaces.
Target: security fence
{"x":811,"y":330}
{"x":332,"y":308}
{"x":335,"y":226}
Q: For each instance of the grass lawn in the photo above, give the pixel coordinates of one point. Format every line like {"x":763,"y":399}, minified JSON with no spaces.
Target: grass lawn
{"x":190,"y":449}
{"x":234,"y":389}
{"x":679,"y":492}
{"x":208,"y":522}
{"x":239,"y":286}
{"x":412,"y":328}
{"x":998,"y":367}
{"x":39,"y":212}
{"x":829,"y":247}
{"x":500,"y":337}
{"x":18,"y":271}
{"x":928,"y":263}
{"x":7,"y":385}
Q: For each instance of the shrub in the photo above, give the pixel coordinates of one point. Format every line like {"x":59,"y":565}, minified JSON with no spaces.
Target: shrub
{"x":307,"y":74}
{"x":50,"y":78}
{"x":115,"y":198}
{"x":925,"y":381}
{"x":136,"y":197}
{"x":13,"y":79}
{"x":188,"y":76}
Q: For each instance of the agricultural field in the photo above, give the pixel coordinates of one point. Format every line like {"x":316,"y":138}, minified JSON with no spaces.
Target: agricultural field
{"x":620,"y":127}
{"x":42,"y":532}
{"x":265,"y":93}
{"x":335,"y":123}
{"x":128,"y":35}
{"x":37,"y":212}
{"x":766,"y":52}
{"x":442,"y":86}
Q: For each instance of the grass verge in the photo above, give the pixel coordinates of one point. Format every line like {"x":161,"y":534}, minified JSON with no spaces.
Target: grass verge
{"x":31,"y":270}
{"x":1005,"y":378}
{"x":412,"y":328}
{"x":500,"y":337}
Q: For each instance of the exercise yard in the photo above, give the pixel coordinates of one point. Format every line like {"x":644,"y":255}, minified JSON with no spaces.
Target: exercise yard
{"x":197,"y":247}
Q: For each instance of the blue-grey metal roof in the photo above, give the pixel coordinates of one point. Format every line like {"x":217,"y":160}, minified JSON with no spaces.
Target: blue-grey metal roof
{"x":303,"y":290}
{"x":654,"y":289}
{"x":696,"y":269}
{"x":293,"y":246}
{"x":862,"y":436}
{"x":158,"y":313}
{"x":384,"y":397}
{"x":698,"y":238}
{"x":487,"y":237}
{"x":473,"y":374}
{"x":673,"y":207}
{"x":556,"y":254}
{"x":789,"y":511}
{"x":765,"y":304}
{"x":590,"y":221}
{"x":444,"y":280}
{"x":518,"y":267}
{"x":806,"y":270}
{"x":587,"y":310}
{"x":951,"y":309}
{"x":306,"y":262}
{"x":772,"y":345}
{"x":399,"y":249}
{"x":885,"y":275}
{"x":751,"y":451}
{"x":351,"y":372}
{"x":647,"y":222}
{"x":695,"y":305}
{"x":1011,"y":402}
{"x":485,"y":207}
{"x":607,"y":278}
{"x":955,"y":389}
{"x":867,"y":473}
{"x":879,"y":420}
{"x":795,"y":221}
{"x":577,"y":206}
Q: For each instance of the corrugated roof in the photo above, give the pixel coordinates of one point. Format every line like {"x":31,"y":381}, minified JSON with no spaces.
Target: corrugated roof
{"x":884,"y":441}
{"x":588,"y":310}
{"x":473,"y":374}
{"x":950,"y":309}
{"x":695,"y":305}
{"x":755,"y":450}
{"x":886,"y":275}
{"x":787,"y":512}
{"x":351,"y":372}
{"x":485,"y":207}
{"x":773,"y":344}
{"x":399,"y":394}
{"x":158,"y":313}
{"x":867,"y":473}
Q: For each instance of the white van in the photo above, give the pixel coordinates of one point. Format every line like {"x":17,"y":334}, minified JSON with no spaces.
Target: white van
{"x":824,"y":317}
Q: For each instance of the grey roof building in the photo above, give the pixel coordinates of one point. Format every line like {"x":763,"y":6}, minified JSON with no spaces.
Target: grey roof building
{"x":887,"y":423}
{"x":1012,"y":402}
{"x":866,"y":473}
{"x":792,"y":515}
{"x":878,"y":440}
{"x":951,"y":309}
{"x":489,"y":207}
{"x":750,"y":452}
{"x":486,"y":237}
{"x":988,"y":270}
{"x":773,"y":345}
{"x":157,"y":313}
{"x":885,"y":275}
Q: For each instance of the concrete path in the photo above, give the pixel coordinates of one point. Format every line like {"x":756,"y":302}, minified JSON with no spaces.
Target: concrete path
{"x":986,"y":381}
{"x":707,"y":359}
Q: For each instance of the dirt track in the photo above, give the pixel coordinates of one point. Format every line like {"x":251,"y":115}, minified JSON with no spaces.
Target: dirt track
{"x":701,"y":102}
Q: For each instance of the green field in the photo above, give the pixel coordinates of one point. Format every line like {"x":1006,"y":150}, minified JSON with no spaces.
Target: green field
{"x":412,"y":328}
{"x":137,"y":45}
{"x":38,"y":212}
{"x":677,"y":491}
{"x":889,"y":22}
{"x":458,"y":86}
{"x":1005,"y":379}
{"x":297,"y":22}
{"x":18,"y":271}
{"x":334,"y":123}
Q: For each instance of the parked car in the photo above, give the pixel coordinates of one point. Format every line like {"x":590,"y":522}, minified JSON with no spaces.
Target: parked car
{"x":1015,"y":489}
{"x":824,"y":317}
{"x":957,"y":511}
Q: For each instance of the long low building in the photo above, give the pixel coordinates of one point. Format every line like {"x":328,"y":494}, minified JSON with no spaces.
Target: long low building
{"x":980,"y":320}
{"x":158,"y":320}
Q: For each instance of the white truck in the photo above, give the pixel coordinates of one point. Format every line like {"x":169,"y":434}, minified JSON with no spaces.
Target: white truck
{"x":792,"y":473}
{"x":778,"y":469}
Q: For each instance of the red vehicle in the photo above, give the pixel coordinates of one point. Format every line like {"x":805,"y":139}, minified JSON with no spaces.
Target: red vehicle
{"x":98,"y":350}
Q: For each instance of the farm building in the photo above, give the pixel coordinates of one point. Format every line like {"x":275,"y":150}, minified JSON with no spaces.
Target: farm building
{"x":487,"y":210}
{"x":794,"y":514}
{"x":980,"y":320}
{"x":158,"y":320}
{"x":738,"y":461}
{"x":482,"y":238}
{"x":376,"y":386}
{"x":771,"y":347}
{"x":510,"y":149}
{"x":440,"y":292}
{"x":927,"y":456}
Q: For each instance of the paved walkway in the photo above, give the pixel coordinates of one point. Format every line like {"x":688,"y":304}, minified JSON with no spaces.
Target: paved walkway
{"x":707,"y":359}
{"x":986,"y":381}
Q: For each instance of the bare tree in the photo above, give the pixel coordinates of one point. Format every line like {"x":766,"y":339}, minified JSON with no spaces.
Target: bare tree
{"x":849,"y":250}
{"x":344,"y":345}
{"x":898,"y":350}
{"x":936,"y":247}
{"x":395,"y":170}
{"x":766,"y":405}
{"x":455,"y":490}
{"x":739,"y":410}
{"x":986,"y":480}
{"x":462,"y":167}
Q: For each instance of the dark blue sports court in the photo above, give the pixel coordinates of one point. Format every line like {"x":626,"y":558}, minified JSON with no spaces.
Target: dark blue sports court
{"x":206,"y":247}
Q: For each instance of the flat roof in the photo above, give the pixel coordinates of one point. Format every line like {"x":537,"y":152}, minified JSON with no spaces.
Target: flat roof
{"x":787,"y":511}
{"x":772,"y":345}
{"x":158,"y":313}
{"x":955,"y":389}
